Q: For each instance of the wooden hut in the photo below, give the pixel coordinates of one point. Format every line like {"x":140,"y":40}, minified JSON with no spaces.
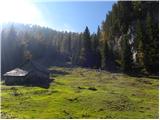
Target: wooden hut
{"x":30,"y":73}
{"x":15,"y":76}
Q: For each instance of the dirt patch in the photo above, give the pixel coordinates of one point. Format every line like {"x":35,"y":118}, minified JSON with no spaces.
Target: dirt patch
{"x":92,"y":88}
{"x":73,"y":99}
{"x":44,"y":92}
{"x":87,"y":88}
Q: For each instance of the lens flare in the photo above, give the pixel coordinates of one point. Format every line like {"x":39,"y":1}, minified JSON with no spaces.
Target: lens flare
{"x":20,"y":11}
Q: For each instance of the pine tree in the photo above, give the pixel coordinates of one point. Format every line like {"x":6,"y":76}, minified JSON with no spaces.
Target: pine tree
{"x":140,"y":67}
{"x":69,"y":43}
{"x":98,"y":55}
{"x":104,"y":55}
{"x":151,"y":45}
{"x":127,"y":59}
{"x":86,"y":54}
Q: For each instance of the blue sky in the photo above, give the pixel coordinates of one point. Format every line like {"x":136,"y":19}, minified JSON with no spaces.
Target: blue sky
{"x":74,"y":16}
{"x":63,"y":15}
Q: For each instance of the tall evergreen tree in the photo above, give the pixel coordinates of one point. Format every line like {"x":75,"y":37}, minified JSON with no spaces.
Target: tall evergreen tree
{"x":86,"y":54}
{"x":140,"y":67}
{"x":127,"y":59}
{"x":104,"y":56}
{"x":151,"y":45}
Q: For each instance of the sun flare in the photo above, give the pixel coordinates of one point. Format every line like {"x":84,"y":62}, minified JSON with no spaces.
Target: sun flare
{"x":20,"y":11}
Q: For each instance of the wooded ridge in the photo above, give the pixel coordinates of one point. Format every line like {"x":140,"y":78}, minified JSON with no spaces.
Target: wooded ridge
{"x":127,"y":41}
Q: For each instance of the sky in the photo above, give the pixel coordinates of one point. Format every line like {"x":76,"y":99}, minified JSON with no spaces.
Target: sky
{"x":64,"y":15}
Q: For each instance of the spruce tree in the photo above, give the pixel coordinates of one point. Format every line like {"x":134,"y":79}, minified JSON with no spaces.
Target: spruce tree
{"x":98,"y":62}
{"x":127,"y":59}
{"x":139,"y":38}
{"x":86,"y":55}
{"x":104,"y":55}
{"x":151,"y":45}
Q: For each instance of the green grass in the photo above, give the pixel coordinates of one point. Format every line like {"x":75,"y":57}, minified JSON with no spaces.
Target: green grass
{"x":83,"y":93}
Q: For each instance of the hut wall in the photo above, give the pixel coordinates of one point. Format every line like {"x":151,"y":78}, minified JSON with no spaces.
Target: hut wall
{"x":14,"y":80}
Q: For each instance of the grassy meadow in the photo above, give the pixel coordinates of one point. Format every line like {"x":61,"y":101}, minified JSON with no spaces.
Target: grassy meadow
{"x":83,"y":93}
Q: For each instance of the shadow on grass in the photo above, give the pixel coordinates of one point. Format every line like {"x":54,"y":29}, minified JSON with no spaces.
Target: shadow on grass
{"x":143,"y":75}
{"x":153,"y":77}
{"x":58,"y":72}
{"x":43,"y":84}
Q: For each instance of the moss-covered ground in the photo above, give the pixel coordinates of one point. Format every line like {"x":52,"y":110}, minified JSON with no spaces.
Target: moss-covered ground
{"x":83,"y":93}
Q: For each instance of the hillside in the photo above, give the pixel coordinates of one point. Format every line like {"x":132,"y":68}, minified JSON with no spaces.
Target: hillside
{"x":83,"y":93}
{"x":126,"y":41}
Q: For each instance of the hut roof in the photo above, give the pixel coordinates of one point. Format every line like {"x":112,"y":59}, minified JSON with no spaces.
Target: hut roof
{"x":16,"y":72}
{"x":27,"y":67}
{"x":34,"y":66}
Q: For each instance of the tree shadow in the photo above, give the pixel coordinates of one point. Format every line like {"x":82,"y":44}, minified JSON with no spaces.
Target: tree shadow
{"x":152,"y":76}
{"x":58,"y":72}
{"x":43,"y":84}
{"x":131,"y":74}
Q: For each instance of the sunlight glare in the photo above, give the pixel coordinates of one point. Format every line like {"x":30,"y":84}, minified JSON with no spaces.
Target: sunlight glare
{"x":20,"y":11}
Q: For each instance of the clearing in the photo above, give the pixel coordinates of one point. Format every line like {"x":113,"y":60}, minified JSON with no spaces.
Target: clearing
{"x":83,"y":93}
